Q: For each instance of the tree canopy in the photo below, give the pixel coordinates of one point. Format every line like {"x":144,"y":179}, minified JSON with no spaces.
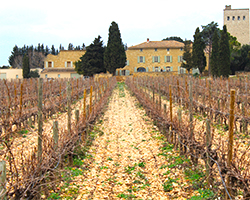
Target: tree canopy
{"x":26,"y":67}
{"x":114,"y":56}
{"x":92,"y":61}
{"x":174,"y":38}
{"x":215,"y":55}
{"x":187,"y":56}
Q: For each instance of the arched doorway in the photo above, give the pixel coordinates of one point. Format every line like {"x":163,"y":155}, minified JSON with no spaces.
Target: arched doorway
{"x":141,"y":69}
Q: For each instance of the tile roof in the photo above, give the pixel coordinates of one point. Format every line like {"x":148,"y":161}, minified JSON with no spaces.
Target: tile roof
{"x":158,"y":44}
{"x":46,"y":70}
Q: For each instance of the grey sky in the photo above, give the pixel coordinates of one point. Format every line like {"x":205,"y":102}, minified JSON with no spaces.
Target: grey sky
{"x":79,"y":21}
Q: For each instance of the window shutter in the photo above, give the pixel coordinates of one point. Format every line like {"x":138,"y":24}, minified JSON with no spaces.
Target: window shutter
{"x":178,"y":69}
{"x":66,"y":64}
{"x":153,"y":59}
{"x":52,"y":63}
{"x":178,"y":58}
{"x":138,"y":59}
{"x":153,"y":69}
{"x":184,"y":70}
{"x":116,"y":72}
{"x":127,"y":72}
{"x":164,"y":69}
{"x":143,"y":59}
{"x":127,"y":62}
{"x":158,"y":59}
{"x":71,"y":63}
{"x":171,"y":69}
{"x":146,"y":69}
{"x":120,"y":72}
{"x":46,"y":64}
{"x":171,"y":59}
{"x":135,"y":69}
{"x":165,"y":58}
{"x":159,"y":69}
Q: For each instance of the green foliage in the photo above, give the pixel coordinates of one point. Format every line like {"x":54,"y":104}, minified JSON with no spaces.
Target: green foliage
{"x":34,"y":74}
{"x":224,"y":54}
{"x":26,"y":66}
{"x":114,"y":56}
{"x":240,"y":60}
{"x":187,"y":56}
{"x":215,"y":55}
{"x":168,"y":185}
{"x":198,"y":57}
{"x":174,"y":38}
{"x":204,"y":194}
{"x":92,"y":61}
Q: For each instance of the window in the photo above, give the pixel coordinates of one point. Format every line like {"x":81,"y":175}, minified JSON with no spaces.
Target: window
{"x":168,"y":59}
{"x":141,"y":50}
{"x":238,"y":17}
{"x":233,"y":18}
{"x":141,"y":59}
{"x":16,"y":76}
{"x":167,"y":49}
{"x":180,"y":58}
{"x":155,"y":49}
{"x":244,"y":17}
{"x":156,"y":69}
{"x":167,"y":69}
{"x":68,"y":65}
{"x":59,"y":75}
{"x":156,"y":59}
{"x":46,"y":75}
{"x":228,"y":18}
{"x":182,"y":70}
{"x":181,"y":49}
{"x":49,"y":64}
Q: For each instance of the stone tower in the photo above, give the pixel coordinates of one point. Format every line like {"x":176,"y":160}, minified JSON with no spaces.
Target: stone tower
{"x":237,"y":22}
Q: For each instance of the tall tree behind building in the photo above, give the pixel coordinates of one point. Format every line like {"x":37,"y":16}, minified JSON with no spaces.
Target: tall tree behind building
{"x":214,"y":63}
{"x":199,"y":59}
{"x":114,"y":56}
{"x":187,"y":56}
{"x":224,"y":54}
{"x":26,"y":66}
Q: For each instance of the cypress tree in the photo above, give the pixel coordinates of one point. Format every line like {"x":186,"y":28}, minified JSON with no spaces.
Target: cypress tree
{"x":114,"y":56}
{"x":224,"y":54}
{"x":26,"y":67}
{"x":187,"y":56}
{"x":53,"y":50}
{"x":215,"y":55}
{"x":92,"y":61}
{"x":199,"y":59}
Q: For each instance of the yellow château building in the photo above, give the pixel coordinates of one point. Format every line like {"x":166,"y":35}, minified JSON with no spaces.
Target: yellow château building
{"x":62,"y":65}
{"x":154,"y":56}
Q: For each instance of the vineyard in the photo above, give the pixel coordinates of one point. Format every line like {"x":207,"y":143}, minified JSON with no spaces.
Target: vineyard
{"x":43,"y":122}
{"x":208,"y":121}
{"x":38,"y":130}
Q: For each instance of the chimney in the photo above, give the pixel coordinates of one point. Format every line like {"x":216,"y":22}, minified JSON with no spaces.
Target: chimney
{"x":147,"y":40}
{"x":228,"y":7}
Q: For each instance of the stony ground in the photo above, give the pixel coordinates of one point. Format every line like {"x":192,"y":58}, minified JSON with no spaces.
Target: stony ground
{"x":129,"y":160}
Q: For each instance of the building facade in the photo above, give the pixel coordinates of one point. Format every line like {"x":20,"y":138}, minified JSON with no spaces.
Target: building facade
{"x":237,"y":22}
{"x":62,"y":65}
{"x":154,"y":56}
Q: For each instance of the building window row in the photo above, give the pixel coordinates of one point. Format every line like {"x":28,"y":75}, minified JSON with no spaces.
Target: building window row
{"x":141,"y":50}
{"x":233,"y":18}
{"x":156,"y":59}
{"x":50,"y":64}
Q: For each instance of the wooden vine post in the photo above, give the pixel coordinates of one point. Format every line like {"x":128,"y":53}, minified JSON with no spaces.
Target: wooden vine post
{"x":230,"y":141}
{"x":69,"y":107}
{"x":40,"y":120}
{"x":171,"y":112}
{"x":208,"y":145}
{"x":55,"y":134}
{"x":84,"y":104}
{"x":90,"y":100}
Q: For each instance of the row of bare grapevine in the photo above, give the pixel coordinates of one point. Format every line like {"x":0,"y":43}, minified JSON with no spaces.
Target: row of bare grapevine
{"x":202,"y":101}
{"x":27,"y":175}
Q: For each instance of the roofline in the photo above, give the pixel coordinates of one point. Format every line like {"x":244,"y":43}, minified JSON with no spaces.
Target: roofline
{"x":154,"y":47}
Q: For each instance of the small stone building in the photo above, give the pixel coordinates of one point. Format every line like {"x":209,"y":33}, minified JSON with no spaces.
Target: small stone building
{"x":62,"y":65}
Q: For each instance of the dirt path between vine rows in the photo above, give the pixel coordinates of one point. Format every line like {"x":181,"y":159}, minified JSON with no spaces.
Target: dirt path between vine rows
{"x":126,"y":162}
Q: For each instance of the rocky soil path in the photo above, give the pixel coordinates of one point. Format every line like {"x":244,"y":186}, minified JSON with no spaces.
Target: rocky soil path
{"x":128,"y":161}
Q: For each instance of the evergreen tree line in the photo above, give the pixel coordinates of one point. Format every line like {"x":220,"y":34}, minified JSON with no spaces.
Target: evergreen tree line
{"x":225,"y":54}
{"x":99,"y":58}
{"x":36,"y":54}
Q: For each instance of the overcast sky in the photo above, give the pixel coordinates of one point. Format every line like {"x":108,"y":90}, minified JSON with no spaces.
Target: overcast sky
{"x":30,"y":22}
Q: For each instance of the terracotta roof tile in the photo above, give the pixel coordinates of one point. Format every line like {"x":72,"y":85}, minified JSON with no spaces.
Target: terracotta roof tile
{"x":158,"y":44}
{"x":46,"y":70}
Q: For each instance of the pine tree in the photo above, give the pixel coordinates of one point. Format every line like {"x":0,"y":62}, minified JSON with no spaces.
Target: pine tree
{"x":199,"y":59}
{"x":70,"y":46}
{"x":26,"y":67}
{"x":214,"y":60}
{"x":224,"y":54}
{"x":114,"y":56}
{"x":92,"y":61}
{"x":53,"y":50}
{"x":187,"y":56}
